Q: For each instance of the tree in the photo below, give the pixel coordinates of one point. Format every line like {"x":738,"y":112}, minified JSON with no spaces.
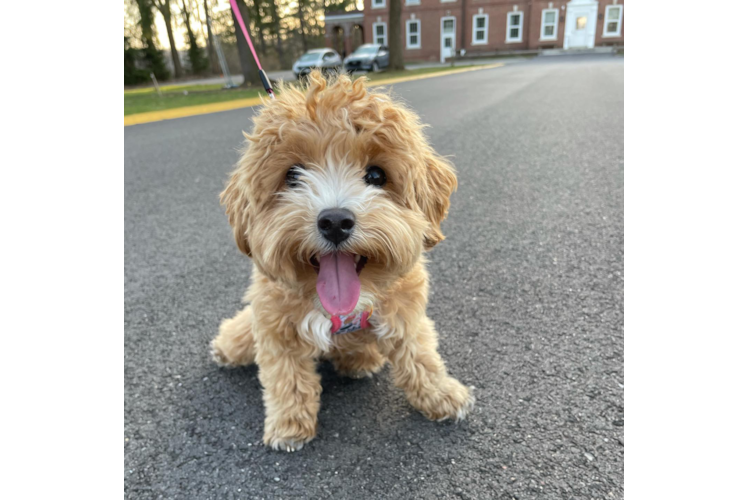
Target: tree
{"x":153,"y":57}
{"x":276,"y":27}
{"x":164,"y":8}
{"x":301,"y":24}
{"x":249,"y":67}
{"x":259,"y":25}
{"x":133,"y":74}
{"x":214,"y":67}
{"x":198,"y":62}
{"x":395,"y":34}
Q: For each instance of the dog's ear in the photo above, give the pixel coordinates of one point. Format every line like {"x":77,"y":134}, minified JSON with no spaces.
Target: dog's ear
{"x":237,"y":202}
{"x":432,"y":194}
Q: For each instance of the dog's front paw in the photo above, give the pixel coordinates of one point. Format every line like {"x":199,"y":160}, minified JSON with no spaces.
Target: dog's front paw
{"x":452,"y":400}
{"x":289,"y":434}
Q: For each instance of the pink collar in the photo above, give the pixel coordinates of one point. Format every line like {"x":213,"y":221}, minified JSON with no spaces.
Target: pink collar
{"x":351,"y":322}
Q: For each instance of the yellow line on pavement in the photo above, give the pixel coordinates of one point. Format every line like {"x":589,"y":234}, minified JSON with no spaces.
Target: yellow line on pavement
{"x":203,"y":109}
{"x":389,"y":81}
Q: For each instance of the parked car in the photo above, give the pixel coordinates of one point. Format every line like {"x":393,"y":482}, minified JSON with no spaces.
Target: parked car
{"x":368,"y":57}
{"x":325,"y":60}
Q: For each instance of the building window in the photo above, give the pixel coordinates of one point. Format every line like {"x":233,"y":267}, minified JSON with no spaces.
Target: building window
{"x":412,"y":2}
{"x":480,"y":29}
{"x":413,"y":28}
{"x":448,"y":25}
{"x":613,"y":20}
{"x":549,"y":24}
{"x":514,"y":27}
{"x":380,"y":33}
{"x":378,"y":4}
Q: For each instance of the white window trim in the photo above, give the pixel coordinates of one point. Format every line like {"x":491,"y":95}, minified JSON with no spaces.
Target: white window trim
{"x":374,"y":33}
{"x":485,"y":28}
{"x":407,"y":34}
{"x":509,"y":28}
{"x":412,"y":2}
{"x":447,"y":1}
{"x":543,"y":25}
{"x":620,"y":22}
{"x":377,"y":6}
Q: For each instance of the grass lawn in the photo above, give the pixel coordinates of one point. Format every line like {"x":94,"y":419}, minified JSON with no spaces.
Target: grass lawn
{"x":181,"y":95}
{"x":141,"y":102}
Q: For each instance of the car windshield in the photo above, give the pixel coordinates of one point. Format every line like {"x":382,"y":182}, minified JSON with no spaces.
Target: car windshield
{"x":310,"y":56}
{"x":366,"y":49}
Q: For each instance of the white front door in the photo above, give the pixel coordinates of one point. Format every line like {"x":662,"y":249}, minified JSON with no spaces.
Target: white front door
{"x":581,"y":24}
{"x":448,"y":38}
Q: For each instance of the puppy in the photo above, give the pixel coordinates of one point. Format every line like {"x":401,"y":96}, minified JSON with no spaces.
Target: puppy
{"x":336,"y":198}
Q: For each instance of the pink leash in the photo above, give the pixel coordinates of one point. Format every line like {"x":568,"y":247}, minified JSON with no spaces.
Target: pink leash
{"x":263,"y":76}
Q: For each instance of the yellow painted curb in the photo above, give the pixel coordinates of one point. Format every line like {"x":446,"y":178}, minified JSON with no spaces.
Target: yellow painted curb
{"x":148,"y":90}
{"x":389,"y":81}
{"x":203,"y":109}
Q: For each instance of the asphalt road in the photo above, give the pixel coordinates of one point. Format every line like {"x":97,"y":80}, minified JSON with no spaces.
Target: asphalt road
{"x":527,"y":294}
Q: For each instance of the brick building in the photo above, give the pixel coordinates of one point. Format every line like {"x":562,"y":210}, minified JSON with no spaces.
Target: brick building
{"x":436,"y":29}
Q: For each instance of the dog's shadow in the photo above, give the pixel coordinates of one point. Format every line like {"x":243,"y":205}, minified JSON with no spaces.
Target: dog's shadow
{"x":362,"y":411}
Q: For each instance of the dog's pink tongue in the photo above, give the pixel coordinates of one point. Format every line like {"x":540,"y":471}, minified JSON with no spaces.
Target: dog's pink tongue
{"x":338,"y":286}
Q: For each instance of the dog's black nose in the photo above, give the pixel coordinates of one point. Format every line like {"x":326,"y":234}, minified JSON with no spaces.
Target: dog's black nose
{"x":336,"y":224}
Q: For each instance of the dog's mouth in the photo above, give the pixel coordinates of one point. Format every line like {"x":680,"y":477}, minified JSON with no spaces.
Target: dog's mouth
{"x":360,"y":261}
{"x":338,"y":285}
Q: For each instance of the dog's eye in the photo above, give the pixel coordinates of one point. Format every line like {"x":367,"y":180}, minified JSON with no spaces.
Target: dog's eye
{"x":292,"y":176}
{"x":375,"y":176}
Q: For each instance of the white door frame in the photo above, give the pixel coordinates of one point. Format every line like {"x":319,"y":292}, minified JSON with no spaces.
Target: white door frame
{"x":441,"y":36}
{"x":572,"y":8}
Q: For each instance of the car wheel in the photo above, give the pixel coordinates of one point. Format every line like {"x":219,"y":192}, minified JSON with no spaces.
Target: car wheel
{"x":375,"y":67}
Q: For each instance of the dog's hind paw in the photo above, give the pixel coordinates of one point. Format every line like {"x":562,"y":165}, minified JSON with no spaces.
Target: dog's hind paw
{"x":359,"y":365}
{"x":356,"y":374}
{"x":229,"y":358}
{"x":367,"y":372}
{"x":218,"y":357}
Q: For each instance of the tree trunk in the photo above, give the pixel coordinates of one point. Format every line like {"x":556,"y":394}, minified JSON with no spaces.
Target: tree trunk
{"x":153,"y":56}
{"x":214,"y":66}
{"x":165,"y":9}
{"x":249,"y":68}
{"x":198,"y":62}
{"x":260,"y":27}
{"x":395,"y":35}
{"x":146,"y":21}
{"x":276,"y":27}
{"x":301,"y":24}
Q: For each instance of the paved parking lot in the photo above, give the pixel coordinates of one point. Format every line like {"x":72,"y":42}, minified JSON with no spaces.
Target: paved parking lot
{"x":527,"y":292}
